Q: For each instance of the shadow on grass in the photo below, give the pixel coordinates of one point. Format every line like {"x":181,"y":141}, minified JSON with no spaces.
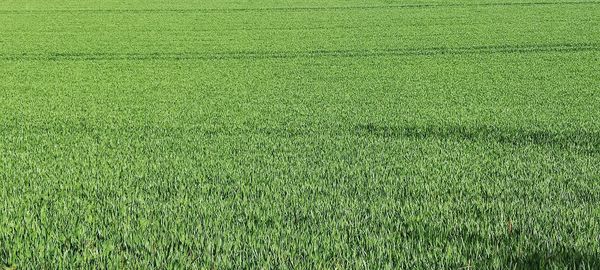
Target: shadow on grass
{"x":567,"y":258}
{"x":587,"y":142}
{"x":536,"y":253}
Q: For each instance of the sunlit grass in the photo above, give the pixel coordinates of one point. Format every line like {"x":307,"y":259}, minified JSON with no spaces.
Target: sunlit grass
{"x":336,"y":134}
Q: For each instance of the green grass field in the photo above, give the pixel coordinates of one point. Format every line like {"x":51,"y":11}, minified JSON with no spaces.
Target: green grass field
{"x":300,"y":134}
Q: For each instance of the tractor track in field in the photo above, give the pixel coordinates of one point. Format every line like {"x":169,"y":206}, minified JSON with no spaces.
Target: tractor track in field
{"x":473,"y":50}
{"x":299,"y":9}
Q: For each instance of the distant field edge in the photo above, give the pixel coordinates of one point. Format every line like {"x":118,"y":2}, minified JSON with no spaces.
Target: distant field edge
{"x":295,"y":9}
{"x":472,"y":50}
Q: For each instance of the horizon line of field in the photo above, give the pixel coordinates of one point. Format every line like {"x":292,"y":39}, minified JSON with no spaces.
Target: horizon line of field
{"x":294,"y":9}
{"x":473,"y":50}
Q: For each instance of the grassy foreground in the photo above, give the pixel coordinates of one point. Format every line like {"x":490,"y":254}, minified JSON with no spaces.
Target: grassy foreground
{"x":300,"y":134}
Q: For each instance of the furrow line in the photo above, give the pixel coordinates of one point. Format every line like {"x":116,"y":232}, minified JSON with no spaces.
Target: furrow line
{"x":297,"y":9}
{"x":539,"y":48}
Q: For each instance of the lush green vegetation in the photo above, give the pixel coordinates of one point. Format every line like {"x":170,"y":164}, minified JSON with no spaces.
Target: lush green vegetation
{"x":299,"y":134}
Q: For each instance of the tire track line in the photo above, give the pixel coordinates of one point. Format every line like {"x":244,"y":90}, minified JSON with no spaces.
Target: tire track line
{"x":474,"y":50}
{"x":298,"y":9}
